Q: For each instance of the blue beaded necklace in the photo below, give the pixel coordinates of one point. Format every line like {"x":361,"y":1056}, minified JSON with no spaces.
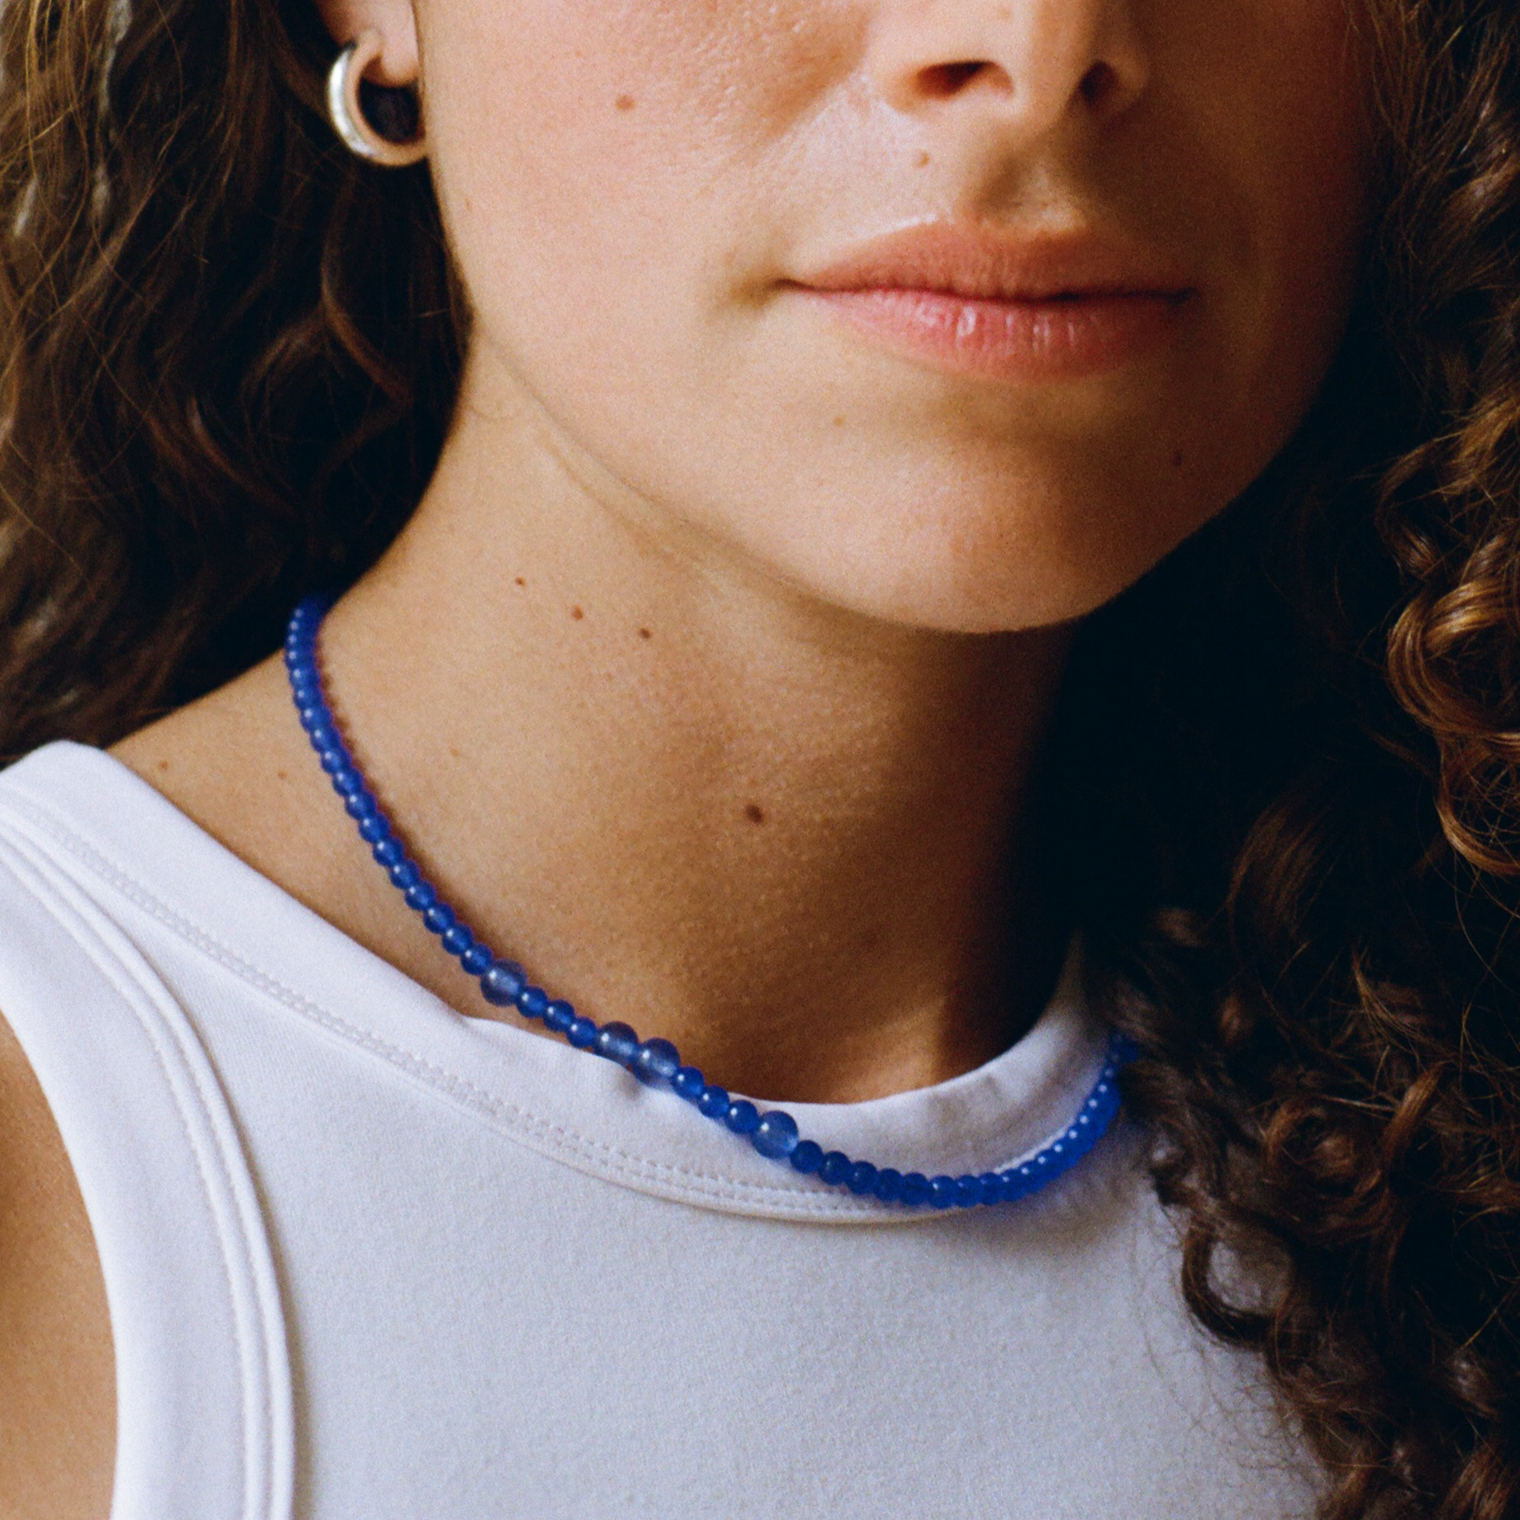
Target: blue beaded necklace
{"x":504,"y":984}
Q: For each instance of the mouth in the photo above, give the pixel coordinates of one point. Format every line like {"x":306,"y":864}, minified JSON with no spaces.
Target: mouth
{"x":973,"y":300}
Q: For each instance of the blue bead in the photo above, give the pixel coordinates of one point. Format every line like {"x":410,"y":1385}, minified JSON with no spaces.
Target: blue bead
{"x":404,"y":874}
{"x":531,"y":1002}
{"x":421,"y":896}
{"x":835,"y":1168}
{"x":656,"y":1061}
{"x":311,"y":715}
{"x":582,"y":1032}
{"x":348,"y":783}
{"x":807,"y":1156}
{"x":457,"y":940}
{"x":616,"y":1042}
{"x":330,"y":759}
{"x":776,"y":1135}
{"x":914,"y":1190}
{"x":438,"y":917}
{"x":360,"y":805}
{"x":888,"y":1184}
{"x":389,"y":852}
{"x":1014,"y":1187}
{"x":969,"y":1192}
{"x":743,"y":1118}
{"x":373,"y":830}
{"x":558,"y":1016}
{"x":862,"y":1178}
{"x":689,"y":1083}
{"x":992,"y":1188}
{"x":503,"y":983}
{"x":713,"y":1103}
{"x":476,"y":959}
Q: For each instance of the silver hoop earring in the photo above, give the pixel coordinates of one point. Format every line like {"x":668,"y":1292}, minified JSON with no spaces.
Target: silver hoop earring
{"x":347,"y":111}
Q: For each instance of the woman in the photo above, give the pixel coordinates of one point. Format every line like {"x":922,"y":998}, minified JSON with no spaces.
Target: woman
{"x":839,"y":510}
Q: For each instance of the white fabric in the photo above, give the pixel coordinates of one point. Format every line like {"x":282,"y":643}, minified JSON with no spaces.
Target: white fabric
{"x":367,"y":1259}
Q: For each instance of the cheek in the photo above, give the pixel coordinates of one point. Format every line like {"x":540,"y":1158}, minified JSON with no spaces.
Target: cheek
{"x":602,"y":136}
{"x":1281,"y":108}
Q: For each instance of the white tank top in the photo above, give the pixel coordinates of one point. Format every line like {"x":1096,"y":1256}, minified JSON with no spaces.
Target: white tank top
{"x":368,"y":1259}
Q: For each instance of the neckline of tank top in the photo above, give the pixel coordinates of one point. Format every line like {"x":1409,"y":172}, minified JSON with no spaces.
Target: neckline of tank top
{"x":103,"y":822}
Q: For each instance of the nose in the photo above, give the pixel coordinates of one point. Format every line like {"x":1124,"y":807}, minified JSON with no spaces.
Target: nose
{"x":1033,"y":64}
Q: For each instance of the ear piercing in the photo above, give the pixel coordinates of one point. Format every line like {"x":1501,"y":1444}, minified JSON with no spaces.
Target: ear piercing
{"x":403,"y":140}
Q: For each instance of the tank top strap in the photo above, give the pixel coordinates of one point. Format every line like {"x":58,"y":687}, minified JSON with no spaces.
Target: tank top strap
{"x":205,"y":1428}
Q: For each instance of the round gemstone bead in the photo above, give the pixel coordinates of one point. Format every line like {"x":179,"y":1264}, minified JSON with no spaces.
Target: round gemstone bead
{"x":862,"y":1178}
{"x":1014,"y":1186}
{"x":656,"y":1061}
{"x":330,"y":758}
{"x":532,"y":1001}
{"x":807,"y":1156}
{"x":438,"y":917}
{"x":914,"y":1190}
{"x":992,"y":1187}
{"x":942,"y":1192}
{"x":457,"y":940}
{"x":404,"y":874}
{"x":835,"y":1168}
{"x":349,"y":783}
{"x":374,"y":828}
{"x":582,"y":1032}
{"x":743,"y":1118}
{"x":968,"y":1192}
{"x":389,"y":852}
{"x":558,"y":1016}
{"x":888,"y":1186}
{"x":476,"y":959}
{"x":775,"y":1137}
{"x":617,"y":1042}
{"x":689,"y":1083}
{"x":714,"y":1102}
{"x":420,"y":896}
{"x":359,"y":803}
{"x":502,"y":985}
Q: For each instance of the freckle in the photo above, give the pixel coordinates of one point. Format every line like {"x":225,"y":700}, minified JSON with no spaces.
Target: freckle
{"x":163,"y":765}
{"x":923,"y":160}
{"x":625,"y":102}
{"x":520,"y":581}
{"x":644,"y":633}
{"x":454,"y":752}
{"x":283,"y":775}
{"x":839,"y":422}
{"x":754,"y":812}
{"x":577,"y":613}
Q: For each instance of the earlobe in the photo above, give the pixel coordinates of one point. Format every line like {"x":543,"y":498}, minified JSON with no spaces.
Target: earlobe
{"x":396,"y":64}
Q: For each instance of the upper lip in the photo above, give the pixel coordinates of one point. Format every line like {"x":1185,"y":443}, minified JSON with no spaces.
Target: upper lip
{"x":994,"y":264}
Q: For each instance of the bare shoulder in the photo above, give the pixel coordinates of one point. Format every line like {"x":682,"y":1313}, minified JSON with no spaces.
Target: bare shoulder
{"x":57,"y":1373}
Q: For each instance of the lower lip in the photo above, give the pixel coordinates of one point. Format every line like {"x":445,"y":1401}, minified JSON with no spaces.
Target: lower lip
{"x":1030,"y":341}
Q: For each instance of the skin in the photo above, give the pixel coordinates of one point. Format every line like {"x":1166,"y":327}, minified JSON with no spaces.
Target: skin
{"x":712,"y":672}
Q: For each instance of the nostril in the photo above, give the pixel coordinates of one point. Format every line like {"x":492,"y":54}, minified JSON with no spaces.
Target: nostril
{"x":1099,"y":84}
{"x":943,"y":80}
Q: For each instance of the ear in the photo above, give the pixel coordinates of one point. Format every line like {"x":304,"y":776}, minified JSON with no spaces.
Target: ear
{"x":394,"y":20}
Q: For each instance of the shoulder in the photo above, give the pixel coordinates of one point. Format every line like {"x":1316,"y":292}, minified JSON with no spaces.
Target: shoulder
{"x":57,"y":1376}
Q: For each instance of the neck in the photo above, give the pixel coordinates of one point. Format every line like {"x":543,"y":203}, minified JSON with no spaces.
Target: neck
{"x":792,"y":839}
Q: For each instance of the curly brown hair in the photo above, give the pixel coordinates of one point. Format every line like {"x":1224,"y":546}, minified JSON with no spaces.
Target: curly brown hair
{"x":1289,"y":756}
